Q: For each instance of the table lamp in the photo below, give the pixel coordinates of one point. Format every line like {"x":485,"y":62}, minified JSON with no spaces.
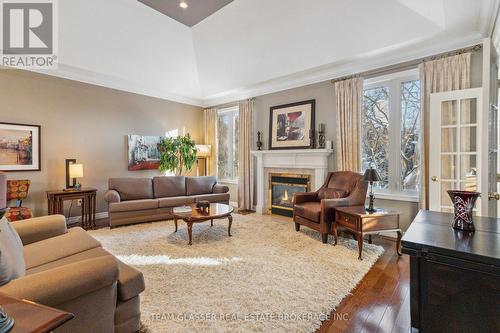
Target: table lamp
{"x":371,"y":175}
{"x":76,"y":171}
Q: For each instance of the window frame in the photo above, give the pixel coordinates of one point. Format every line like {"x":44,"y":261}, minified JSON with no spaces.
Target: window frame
{"x":393,"y":82}
{"x":230,"y":109}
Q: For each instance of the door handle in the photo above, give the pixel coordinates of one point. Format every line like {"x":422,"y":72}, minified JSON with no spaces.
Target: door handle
{"x":493,"y":195}
{"x":434,"y":178}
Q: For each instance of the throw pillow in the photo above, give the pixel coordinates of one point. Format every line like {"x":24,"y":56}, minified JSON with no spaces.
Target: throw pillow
{"x":331,"y":193}
{"x":12,"y":263}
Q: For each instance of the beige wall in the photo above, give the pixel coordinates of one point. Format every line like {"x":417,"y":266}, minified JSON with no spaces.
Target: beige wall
{"x":86,"y":122}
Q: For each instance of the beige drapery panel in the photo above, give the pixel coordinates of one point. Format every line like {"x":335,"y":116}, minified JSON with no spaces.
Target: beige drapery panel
{"x":245,"y":183}
{"x":348,"y":95}
{"x":450,"y":73}
{"x":211,"y":139}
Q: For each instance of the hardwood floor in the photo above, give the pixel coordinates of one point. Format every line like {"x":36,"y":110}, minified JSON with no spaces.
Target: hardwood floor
{"x":381,"y":301}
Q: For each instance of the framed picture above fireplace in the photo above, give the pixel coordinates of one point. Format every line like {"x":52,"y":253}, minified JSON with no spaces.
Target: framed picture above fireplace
{"x":291,"y":125}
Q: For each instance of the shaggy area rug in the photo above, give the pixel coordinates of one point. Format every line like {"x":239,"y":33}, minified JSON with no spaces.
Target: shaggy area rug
{"x":265,"y":278}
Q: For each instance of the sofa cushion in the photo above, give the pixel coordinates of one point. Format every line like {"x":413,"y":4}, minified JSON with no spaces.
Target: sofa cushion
{"x":175,"y":201}
{"x":76,"y":240}
{"x":130,"y":282}
{"x":310,"y":210}
{"x":217,"y":197}
{"x":331,"y":193}
{"x":126,"y":206}
{"x":84,"y":255}
{"x":12,"y":263}
{"x":132,"y":188}
{"x":200,"y":185}
{"x":169,"y":186}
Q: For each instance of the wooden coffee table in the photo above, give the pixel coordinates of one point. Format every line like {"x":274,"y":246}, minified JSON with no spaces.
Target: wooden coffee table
{"x":216,"y":211}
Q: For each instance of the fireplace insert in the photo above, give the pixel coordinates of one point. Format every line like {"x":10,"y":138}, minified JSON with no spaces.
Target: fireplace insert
{"x":282,"y":189}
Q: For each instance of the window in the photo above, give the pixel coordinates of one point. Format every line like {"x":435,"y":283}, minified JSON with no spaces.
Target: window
{"x":391,"y":131}
{"x":227,"y":144}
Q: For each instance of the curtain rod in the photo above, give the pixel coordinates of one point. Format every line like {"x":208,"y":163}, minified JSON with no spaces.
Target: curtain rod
{"x":227,"y":105}
{"x":408,"y":64}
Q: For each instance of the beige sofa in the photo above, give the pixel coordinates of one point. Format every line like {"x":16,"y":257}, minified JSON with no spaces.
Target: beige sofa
{"x":134,"y":200}
{"x":69,"y":270}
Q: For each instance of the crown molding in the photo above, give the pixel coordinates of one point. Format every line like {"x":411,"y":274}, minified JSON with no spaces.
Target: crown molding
{"x":370,"y":61}
{"x":109,"y":81}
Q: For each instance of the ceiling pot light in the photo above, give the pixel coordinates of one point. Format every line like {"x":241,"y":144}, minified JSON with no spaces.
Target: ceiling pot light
{"x":183,"y":4}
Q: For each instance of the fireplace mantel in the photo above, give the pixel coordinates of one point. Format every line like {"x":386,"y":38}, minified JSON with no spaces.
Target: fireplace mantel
{"x":317,"y":161}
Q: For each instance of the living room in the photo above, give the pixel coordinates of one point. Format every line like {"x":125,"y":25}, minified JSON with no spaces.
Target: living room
{"x":249,"y":166}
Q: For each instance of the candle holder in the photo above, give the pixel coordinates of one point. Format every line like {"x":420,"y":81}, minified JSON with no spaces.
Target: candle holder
{"x":259,"y":140}
{"x":321,"y":136}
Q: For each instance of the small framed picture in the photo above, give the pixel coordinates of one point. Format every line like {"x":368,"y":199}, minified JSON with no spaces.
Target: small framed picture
{"x":290,"y":125}
{"x":19,"y":147}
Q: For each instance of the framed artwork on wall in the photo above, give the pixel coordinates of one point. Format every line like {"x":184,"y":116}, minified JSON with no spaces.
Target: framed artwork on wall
{"x":290,"y":125}
{"x":19,"y":147}
{"x":143,"y":153}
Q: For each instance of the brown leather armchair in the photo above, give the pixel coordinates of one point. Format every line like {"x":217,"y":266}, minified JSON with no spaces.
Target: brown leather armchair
{"x":316,"y":210}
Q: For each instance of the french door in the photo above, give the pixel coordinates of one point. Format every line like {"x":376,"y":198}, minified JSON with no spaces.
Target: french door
{"x":458,"y":148}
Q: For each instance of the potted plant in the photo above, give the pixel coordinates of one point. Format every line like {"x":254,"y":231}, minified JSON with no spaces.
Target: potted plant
{"x":177,"y":154}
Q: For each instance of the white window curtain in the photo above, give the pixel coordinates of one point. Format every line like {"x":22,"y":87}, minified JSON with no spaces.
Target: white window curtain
{"x":245,"y":182}
{"x":211,"y":139}
{"x":445,"y":74}
{"x":348,"y":94}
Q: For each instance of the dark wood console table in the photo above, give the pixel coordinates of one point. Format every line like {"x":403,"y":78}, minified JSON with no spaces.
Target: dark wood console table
{"x":454,"y":276}
{"x":31,"y":317}
{"x":86,"y":194}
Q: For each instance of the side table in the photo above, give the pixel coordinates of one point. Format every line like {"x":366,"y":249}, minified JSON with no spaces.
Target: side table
{"x":32,"y":317}
{"x":86,"y":194}
{"x":361,"y":222}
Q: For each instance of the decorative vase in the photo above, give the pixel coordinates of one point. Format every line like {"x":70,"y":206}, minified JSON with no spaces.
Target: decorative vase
{"x":463,"y":202}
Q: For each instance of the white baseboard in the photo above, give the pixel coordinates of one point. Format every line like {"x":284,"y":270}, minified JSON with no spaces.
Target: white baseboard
{"x":78,"y":219}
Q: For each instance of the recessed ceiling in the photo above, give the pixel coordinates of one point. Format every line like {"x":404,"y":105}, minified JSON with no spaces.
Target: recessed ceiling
{"x":197,"y":10}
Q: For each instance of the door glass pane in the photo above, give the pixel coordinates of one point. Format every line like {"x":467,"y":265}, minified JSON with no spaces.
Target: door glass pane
{"x":445,"y":198}
{"x":468,"y":108}
{"x":468,"y":168}
{"x":448,"y":169}
{"x":468,"y":139}
{"x":448,"y":139}
{"x":449,"y":113}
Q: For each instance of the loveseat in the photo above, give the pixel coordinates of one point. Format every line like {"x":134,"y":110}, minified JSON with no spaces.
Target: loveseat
{"x":70,"y":271}
{"x":135,"y":200}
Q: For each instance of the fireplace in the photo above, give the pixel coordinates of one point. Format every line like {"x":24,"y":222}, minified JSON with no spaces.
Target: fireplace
{"x":282,"y":187}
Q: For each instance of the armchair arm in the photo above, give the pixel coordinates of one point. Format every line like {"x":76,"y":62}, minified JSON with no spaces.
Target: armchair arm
{"x":40,"y":228}
{"x":220,"y":188}
{"x":300,"y":197}
{"x":112,"y":196}
{"x":62,"y":284}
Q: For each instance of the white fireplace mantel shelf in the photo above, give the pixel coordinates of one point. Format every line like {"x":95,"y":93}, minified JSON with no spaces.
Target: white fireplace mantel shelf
{"x":316,"y":160}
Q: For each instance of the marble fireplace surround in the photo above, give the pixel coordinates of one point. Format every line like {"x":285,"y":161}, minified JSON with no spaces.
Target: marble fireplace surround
{"x":312,"y":162}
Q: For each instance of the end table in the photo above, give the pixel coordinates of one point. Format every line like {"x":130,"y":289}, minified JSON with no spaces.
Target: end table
{"x":361,"y":222}
{"x":86,"y":194}
{"x":32,"y":317}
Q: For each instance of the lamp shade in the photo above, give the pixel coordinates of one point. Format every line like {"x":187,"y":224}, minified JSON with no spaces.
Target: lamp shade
{"x":203,"y":150}
{"x":371,"y":175}
{"x":75,"y":170}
